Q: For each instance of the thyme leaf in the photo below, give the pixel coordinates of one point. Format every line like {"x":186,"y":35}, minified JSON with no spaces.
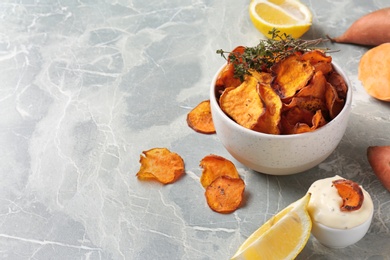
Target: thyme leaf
{"x":268,"y":52}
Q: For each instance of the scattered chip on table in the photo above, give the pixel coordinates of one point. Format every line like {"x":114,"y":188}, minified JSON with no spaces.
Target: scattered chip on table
{"x":161,"y":165}
{"x":200,"y":119}
{"x":225,"y":194}
{"x":215,"y":166}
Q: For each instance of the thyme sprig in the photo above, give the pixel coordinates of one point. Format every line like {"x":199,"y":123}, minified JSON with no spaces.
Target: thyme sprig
{"x":268,"y":52}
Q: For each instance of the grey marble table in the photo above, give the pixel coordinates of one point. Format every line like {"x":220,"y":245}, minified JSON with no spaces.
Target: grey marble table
{"x":87,"y":85}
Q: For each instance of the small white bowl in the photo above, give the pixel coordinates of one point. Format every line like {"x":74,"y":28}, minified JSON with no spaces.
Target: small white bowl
{"x":340,"y":238}
{"x":280,"y":154}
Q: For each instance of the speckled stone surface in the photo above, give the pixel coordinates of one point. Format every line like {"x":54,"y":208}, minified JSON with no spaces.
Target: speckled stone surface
{"x":87,"y":85}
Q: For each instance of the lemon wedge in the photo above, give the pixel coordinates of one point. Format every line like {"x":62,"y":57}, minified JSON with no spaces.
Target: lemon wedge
{"x":288,"y":16}
{"x":281,"y":237}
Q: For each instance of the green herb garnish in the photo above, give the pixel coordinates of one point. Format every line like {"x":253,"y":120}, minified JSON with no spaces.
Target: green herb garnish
{"x":268,"y":52}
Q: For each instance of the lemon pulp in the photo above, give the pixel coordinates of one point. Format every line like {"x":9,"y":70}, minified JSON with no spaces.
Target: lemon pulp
{"x":288,"y":16}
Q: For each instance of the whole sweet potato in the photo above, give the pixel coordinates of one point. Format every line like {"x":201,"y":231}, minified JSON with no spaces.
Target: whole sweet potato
{"x":379,"y":159}
{"x":371,"y":29}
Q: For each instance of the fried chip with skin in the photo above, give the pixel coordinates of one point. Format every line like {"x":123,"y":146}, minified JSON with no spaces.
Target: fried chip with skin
{"x":316,"y":87}
{"x":243,"y":103}
{"x":200,"y":119}
{"x":319,"y":60}
{"x":351,"y":194}
{"x":309,"y":103}
{"x":333,"y":102}
{"x":292,"y":74}
{"x":316,"y":56}
{"x":338,"y":82}
{"x":161,"y":165}
{"x":215,"y":166}
{"x":269,"y":122}
{"x":293,"y":117}
{"x":262,"y":77}
{"x":226,"y":78}
{"x":317,"y":121}
{"x":225,"y":194}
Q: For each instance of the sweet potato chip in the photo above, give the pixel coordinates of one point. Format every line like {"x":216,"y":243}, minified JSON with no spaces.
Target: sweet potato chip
{"x":309,"y":103}
{"x":225,"y":194}
{"x":338,"y":82}
{"x":215,"y":166}
{"x":269,"y":122}
{"x":315,"y":88}
{"x":160,"y":164}
{"x":319,"y":60}
{"x":317,"y":121}
{"x":292,"y":74}
{"x":333,"y":102}
{"x":200,"y":119}
{"x":262,"y":77}
{"x":237,"y":53}
{"x":316,"y":56}
{"x":243,"y":103}
{"x":226,"y":78}
{"x":351,"y":194}
{"x":324,"y":67}
{"x":294,"y":116}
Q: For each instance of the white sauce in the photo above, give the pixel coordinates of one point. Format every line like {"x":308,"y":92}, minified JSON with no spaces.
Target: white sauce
{"x":324,"y":206}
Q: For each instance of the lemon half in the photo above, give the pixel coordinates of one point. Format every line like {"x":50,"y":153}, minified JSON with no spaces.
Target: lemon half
{"x":281,"y":237}
{"x":288,"y":16}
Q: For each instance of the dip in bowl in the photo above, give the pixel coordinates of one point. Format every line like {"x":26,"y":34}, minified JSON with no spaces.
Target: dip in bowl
{"x":332,"y":226}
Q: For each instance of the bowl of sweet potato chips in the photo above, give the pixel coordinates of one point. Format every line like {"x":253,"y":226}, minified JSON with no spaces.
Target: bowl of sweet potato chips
{"x":283,"y":118}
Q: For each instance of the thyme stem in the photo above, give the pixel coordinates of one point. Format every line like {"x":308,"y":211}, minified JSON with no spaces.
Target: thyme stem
{"x":268,"y":52}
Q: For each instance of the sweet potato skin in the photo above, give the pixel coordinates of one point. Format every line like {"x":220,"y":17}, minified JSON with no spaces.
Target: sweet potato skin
{"x":379,"y":159}
{"x":371,"y":29}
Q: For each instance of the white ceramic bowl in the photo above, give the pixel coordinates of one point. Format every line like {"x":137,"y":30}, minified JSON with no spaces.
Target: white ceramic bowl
{"x":340,"y":238}
{"x":279,"y":154}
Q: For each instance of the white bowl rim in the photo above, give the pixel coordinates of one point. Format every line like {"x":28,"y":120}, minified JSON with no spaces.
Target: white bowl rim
{"x":335,"y":120}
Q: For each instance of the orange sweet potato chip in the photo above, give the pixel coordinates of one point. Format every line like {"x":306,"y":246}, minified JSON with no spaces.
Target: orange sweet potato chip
{"x":293,"y":117}
{"x":262,"y":77}
{"x":316,"y":122}
{"x":292,"y":74}
{"x":338,"y":82}
{"x":243,"y":103}
{"x":319,"y":60}
{"x":269,"y":122}
{"x":226,"y":78}
{"x":200,"y":119}
{"x":160,"y":164}
{"x":225,"y":194}
{"x":316,"y":56}
{"x":333,"y":102}
{"x":309,"y":103}
{"x":316,"y":87}
{"x":351,"y":193}
{"x":215,"y":166}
